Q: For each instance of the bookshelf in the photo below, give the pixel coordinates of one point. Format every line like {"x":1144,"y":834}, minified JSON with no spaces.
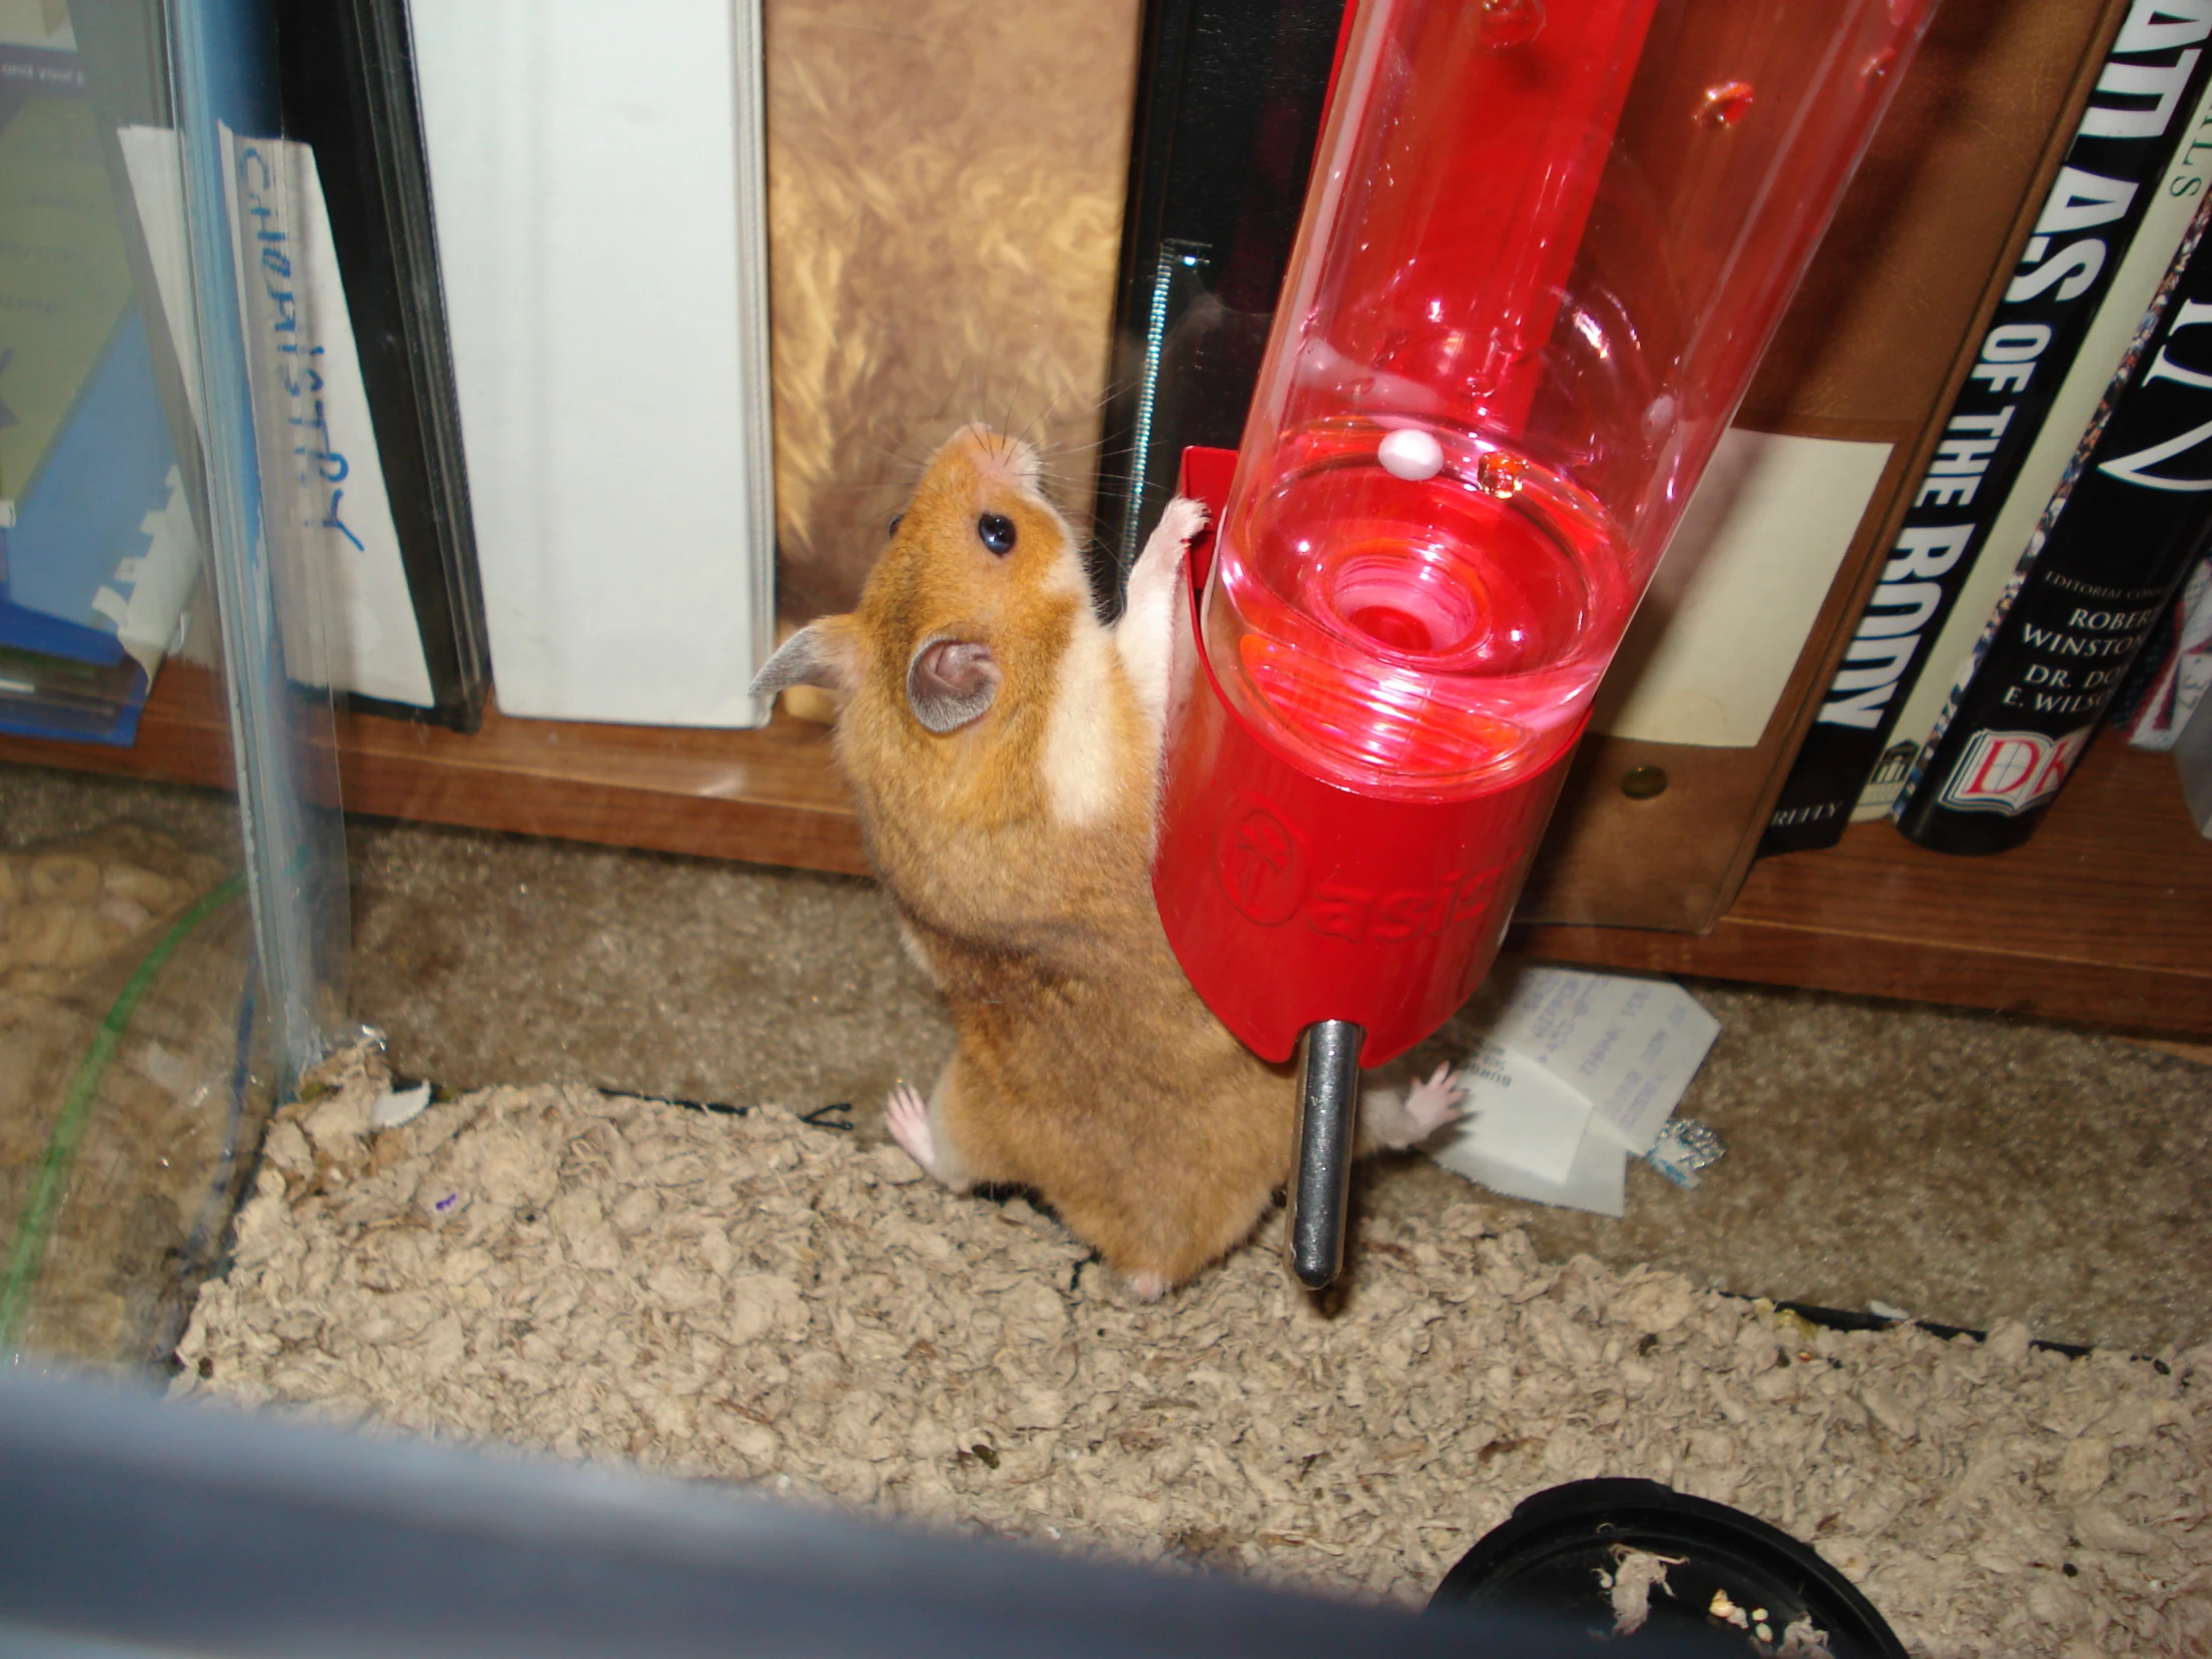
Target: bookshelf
{"x":2104,"y":918}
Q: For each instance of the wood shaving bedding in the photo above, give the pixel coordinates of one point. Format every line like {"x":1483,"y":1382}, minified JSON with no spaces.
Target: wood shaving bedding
{"x":752,"y":1298}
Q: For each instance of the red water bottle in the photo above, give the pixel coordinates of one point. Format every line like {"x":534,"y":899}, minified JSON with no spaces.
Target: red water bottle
{"x":1542,"y":249}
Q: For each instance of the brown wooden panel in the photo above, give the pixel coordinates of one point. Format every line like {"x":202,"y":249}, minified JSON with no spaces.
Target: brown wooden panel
{"x":1874,"y":346}
{"x":1943,"y":184}
{"x":1756,"y":953}
{"x":184,"y":738}
{"x":1675,"y":860}
{"x":2104,"y":917}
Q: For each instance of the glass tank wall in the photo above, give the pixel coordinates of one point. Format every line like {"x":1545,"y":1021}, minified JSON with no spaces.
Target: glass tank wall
{"x":172,"y":959}
{"x":653,"y":1207}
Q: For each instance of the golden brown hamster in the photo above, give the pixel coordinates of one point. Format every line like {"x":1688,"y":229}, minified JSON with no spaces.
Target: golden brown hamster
{"x":1004,"y":745}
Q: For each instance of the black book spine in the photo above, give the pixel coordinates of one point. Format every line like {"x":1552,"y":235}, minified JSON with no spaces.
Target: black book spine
{"x":2099,"y":576}
{"x":348,"y":91}
{"x":1229,"y":108}
{"x":2150,"y":83}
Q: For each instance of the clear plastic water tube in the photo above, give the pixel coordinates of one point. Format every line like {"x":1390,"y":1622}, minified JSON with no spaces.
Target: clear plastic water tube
{"x":1545,"y":246}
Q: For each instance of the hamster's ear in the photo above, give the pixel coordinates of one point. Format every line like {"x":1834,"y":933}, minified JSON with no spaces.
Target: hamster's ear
{"x":951,"y":681}
{"x":820,"y":654}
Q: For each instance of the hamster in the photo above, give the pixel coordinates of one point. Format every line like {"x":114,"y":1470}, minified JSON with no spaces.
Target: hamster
{"x":1004,"y":745}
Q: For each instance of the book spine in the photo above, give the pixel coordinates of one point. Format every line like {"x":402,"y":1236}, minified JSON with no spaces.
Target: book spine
{"x":2148,"y":88}
{"x":2193,"y":760}
{"x":2119,"y":536}
{"x":1227,"y":111}
{"x":348,"y":73}
{"x":1958,"y":647}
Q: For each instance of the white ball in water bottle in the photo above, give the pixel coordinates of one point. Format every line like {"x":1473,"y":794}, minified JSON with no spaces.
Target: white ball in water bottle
{"x":1411,"y":454}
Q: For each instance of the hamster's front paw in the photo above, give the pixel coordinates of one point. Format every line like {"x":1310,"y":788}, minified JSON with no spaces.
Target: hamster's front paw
{"x":1145,"y":633}
{"x":1183,"y":518}
{"x":1151,"y":578}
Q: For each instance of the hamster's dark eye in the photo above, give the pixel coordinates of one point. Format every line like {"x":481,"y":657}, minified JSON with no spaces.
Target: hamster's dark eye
{"x":996,"y":531}
{"x":891,"y":529}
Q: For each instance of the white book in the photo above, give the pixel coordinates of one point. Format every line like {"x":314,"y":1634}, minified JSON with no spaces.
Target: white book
{"x":2193,"y":759}
{"x":1745,"y":574}
{"x":597,"y":179}
{"x":2186,"y":674}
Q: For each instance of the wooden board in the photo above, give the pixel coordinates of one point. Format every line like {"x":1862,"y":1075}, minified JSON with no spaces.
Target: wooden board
{"x":2104,"y":917}
{"x":769,"y":797}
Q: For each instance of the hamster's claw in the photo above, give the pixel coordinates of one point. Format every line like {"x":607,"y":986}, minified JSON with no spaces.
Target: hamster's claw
{"x":1183,"y":518}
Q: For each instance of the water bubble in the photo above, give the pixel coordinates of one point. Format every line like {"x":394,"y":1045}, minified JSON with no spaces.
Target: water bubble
{"x":1877,"y":66}
{"x":1411,"y":454}
{"x":1507,"y":23}
{"x":1500,"y":475}
{"x":1725,"y":103}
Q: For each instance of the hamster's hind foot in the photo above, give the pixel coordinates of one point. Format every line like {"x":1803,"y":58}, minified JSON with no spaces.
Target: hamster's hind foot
{"x":1147,"y":1286}
{"x":1433,"y":1102}
{"x":907,"y":1116}
{"x":1390,"y":1120}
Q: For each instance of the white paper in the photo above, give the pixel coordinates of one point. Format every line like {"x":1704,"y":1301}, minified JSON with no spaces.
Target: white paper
{"x":347,"y":617}
{"x":325,"y":510}
{"x":158,"y":192}
{"x":398,"y":1106}
{"x":1596,"y":1177}
{"x":38,"y":23}
{"x":1517,"y":1113}
{"x":1715,"y":641}
{"x":1626,"y":1045}
{"x":162,"y":580}
{"x":1573,"y":1073}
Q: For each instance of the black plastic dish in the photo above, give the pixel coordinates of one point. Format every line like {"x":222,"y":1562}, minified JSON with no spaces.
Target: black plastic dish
{"x":1548,"y":1558}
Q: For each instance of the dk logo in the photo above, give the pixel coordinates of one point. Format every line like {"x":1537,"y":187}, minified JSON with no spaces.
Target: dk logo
{"x":2011,"y":772}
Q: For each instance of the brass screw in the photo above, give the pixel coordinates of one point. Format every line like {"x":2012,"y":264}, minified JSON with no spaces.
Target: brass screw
{"x":1642,"y":783}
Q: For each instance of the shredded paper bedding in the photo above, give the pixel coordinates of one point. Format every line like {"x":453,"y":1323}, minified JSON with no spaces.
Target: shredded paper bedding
{"x":752,"y":1298}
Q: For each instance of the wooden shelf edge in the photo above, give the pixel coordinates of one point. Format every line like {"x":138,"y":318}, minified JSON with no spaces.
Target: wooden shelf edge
{"x":2106,"y":918}
{"x":1955,"y":976}
{"x":770,"y":795}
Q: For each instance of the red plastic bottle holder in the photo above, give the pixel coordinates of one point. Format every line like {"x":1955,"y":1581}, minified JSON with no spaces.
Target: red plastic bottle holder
{"x":1290,"y":901}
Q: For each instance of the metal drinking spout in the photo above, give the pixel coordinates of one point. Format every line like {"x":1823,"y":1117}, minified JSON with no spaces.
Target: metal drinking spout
{"x":1328,"y":1117}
